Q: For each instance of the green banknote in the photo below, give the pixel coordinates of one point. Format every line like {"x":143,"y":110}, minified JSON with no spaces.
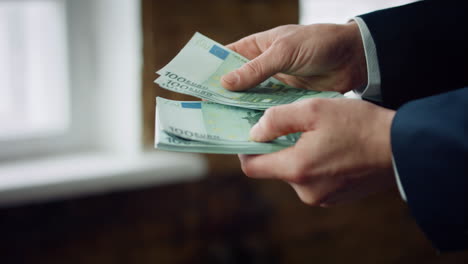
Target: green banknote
{"x":197,"y":70}
{"x":209,"y":127}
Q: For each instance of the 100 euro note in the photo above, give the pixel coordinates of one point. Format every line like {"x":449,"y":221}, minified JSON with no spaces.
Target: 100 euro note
{"x":197,"y":70}
{"x":209,"y":127}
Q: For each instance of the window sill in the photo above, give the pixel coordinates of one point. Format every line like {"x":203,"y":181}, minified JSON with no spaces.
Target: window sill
{"x":77,"y":175}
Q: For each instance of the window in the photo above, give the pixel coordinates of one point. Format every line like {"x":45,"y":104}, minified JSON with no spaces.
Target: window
{"x":340,"y":11}
{"x":39,"y":110}
{"x":33,"y":69}
{"x":70,"y":102}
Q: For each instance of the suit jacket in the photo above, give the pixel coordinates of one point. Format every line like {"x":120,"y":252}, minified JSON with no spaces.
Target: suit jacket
{"x":422,"y":49}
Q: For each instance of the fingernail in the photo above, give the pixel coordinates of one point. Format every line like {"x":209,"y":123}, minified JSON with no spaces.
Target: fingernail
{"x":255,"y":132}
{"x":242,"y":157}
{"x":231,"y":78}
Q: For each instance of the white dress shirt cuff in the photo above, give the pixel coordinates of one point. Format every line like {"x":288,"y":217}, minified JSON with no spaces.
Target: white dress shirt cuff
{"x":372,"y":90}
{"x":397,"y":176}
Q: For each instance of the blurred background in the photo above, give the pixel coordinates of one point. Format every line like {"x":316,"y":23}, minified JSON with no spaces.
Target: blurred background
{"x":81,"y":183}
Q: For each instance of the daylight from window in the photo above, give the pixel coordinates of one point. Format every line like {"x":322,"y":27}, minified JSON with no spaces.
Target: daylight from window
{"x":33,"y":69}
{"x":341,"y":11}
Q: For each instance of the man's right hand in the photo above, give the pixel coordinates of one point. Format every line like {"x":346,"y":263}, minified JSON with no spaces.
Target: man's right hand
{"x":325,"y":57}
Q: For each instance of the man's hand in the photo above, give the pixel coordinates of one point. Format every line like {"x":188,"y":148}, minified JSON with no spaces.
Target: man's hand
{"x":343,"y":154}
{"x":324,"y":57}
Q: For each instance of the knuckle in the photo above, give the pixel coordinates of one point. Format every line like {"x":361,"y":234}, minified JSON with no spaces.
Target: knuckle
{"x":247,"y":169}
{"x":285,"y":29}
{"x":284,"y":51}
{"x":268,"y":119}
{"x":297,"y":175}
{"x":298,"y":172}
{"x":316,"y":105}
{"x":311,"y":200}
{"x":270,"y":111}
{"x":254,"y":68}
{"x":315,"y":109}
{"x":284,"y":44}
{"x":282,"y":27}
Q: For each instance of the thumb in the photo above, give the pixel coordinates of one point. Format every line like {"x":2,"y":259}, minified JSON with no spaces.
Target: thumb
{"x":254,"y":72}
{"x":282,"y":120}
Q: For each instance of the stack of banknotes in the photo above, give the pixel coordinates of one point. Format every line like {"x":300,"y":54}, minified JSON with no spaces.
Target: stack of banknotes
{"x":221,"y":124}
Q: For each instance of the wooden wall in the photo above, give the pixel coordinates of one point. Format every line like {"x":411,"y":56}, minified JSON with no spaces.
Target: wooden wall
{"x":220,"y":220}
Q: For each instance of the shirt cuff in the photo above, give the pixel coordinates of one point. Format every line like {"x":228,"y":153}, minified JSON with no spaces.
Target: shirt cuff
{"x":397,"y":176}
{"x":372,"y":90}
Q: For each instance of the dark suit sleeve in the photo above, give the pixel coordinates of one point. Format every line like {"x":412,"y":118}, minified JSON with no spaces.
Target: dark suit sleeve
{"x":430,"y":147}
{"x":422,"y":49}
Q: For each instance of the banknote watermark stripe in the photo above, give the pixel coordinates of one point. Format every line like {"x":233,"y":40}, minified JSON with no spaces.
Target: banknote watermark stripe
{"x":219,"y":52}
{"x":191,"y":105}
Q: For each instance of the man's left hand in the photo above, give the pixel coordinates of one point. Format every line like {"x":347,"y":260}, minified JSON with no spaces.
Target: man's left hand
{"x":343,"y":154}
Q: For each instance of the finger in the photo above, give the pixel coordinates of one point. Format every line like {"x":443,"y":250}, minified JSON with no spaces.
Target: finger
{"x":282,"y":120}
{"x":277,"y":165}
{"x":248,"y":46}
{"x":307,"y":192}
{"x":255,"y":71}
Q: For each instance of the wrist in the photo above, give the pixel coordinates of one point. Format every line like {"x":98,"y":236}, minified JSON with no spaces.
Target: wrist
{"x":382,"y":132}
{"x":356,"y":66}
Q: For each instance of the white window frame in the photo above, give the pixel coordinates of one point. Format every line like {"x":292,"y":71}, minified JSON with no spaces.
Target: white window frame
{"x":103,"y":150}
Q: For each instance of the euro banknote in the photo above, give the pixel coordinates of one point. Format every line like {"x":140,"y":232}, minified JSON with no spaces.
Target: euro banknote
{"x":197,"y":69}
{"x":207,"y":127}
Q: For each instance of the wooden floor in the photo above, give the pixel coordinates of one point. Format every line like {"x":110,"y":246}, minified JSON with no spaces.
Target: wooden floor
{"x":228,"y":219}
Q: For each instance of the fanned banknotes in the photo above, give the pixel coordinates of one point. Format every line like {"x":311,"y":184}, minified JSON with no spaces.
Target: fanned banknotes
{"x":222,"y":123}
{"x":198,"y":67}
{"x":210,"y":128}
